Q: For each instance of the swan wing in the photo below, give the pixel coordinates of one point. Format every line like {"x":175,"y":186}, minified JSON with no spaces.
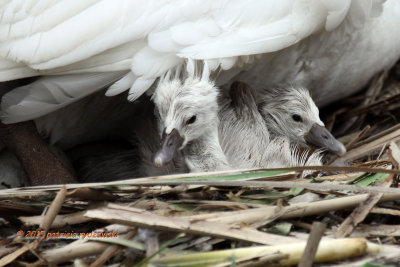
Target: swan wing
{"x":95,"y":35}
{"x":50,"y":93}
{"x":59,"y":37}
{"x":87,"y":36}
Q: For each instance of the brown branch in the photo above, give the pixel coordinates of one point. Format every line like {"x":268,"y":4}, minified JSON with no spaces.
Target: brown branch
{"x":310,"y":251}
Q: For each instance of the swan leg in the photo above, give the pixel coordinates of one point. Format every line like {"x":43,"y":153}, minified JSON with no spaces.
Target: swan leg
{"x":35,"y":155}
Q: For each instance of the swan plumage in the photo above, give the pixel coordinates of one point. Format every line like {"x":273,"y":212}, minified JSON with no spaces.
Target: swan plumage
{"x":146,"y":39}
{"x":196,"y":29}
{"x":54,"y":92}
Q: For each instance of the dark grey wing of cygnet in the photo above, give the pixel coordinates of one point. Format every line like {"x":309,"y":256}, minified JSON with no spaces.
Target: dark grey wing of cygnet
{"x":243,"y":100}
{"x":111,"y":160}
{"x":106,"y":161}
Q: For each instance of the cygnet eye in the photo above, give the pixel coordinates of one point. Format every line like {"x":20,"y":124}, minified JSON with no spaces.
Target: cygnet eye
{"x":297,"y":118}
{"x":191,"y":120}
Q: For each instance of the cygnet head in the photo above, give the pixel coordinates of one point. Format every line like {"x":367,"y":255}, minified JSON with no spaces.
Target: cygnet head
{"x":187,"y":111}
{"x":291,"y":112}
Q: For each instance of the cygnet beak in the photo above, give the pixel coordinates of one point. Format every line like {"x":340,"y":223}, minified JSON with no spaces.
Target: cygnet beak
{"x":169,"y":144}
{"x":320,"y":137}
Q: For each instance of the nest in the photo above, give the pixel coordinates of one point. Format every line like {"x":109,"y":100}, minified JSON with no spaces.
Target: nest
{"x":336,"y":216}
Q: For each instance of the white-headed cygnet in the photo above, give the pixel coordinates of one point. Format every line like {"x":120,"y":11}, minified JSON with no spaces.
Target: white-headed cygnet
{"x":292,"y":112}
{"x":189,"y":115}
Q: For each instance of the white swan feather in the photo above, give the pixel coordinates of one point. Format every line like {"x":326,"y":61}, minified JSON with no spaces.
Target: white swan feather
{"x":77,"y":31}
{"x":148,"y":38}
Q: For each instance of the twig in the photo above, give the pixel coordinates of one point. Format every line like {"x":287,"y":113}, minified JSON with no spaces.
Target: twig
{"x":350,"y":144}
{"x":372,"y":146}
{"x":255,"y":261}
{"x":166,"y":180}
{"x":328,"y":250}
{"x":364,"y":230}
{"x":379,"y":135}
{"x":343,"y":177}
{"x":394,"y":155}
{"x":54,"y":209}
{"x":142,"y":218}
{"x":80,"y":248}
{"x":316,"y":234}
{"x":327,"y":186}
{"x":292,"y":211}
{"x":75,"y":250}
{"x":386,"y":211}
{"x":111,"y":251}
{"x":11,"y":257}
{"x":358,"y":215}
{"x":59,"y":221}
